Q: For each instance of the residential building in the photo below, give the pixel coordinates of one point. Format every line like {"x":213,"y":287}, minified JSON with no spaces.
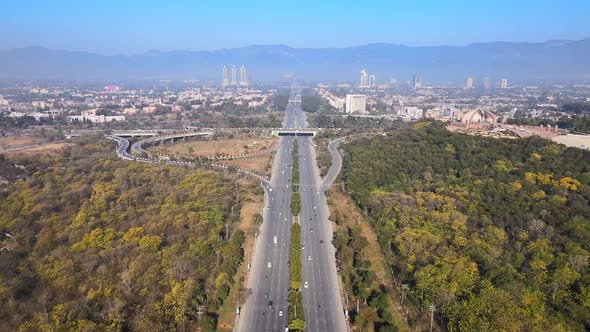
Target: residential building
{"x":356,"y":103}
{"x":417,"y":81}
{"x":243,"y":76}
{"x":469,"y":83}
{"x":234,"y":80}
{"x":225,"y":81}
{"x":504,"y":84}
{"x":372,"y":81}
{"x":364,"y":80}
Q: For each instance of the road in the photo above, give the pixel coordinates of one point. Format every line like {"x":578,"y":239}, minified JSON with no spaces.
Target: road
{"x":322,"y":303}
{"x":321,"y":300}
{"x":271,"y":284}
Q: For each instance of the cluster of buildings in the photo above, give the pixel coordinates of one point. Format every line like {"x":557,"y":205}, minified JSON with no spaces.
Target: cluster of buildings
{"x":467,"y":106}
{"x":114,"y":103}
{"x":485,"y":84}
{"x":91,"y":117}
{"x":351,"y":103}
{"x":232,"y":81}
{"x":366,"y":80}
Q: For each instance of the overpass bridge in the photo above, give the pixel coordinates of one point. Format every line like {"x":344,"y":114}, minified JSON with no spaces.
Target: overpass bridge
{"x":294,"y":132}
{"x":144,"y":132}
{"x":273,"y":130}
{"x":138,"y":148}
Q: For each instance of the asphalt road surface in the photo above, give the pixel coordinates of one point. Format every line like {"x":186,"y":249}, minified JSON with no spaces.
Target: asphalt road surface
{"x":321,"y":299}
{"x":270,"y":285}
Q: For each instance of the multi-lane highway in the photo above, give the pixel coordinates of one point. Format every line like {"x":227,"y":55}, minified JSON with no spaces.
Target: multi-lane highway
{"x":266,"y":308}
{"x":321,"y":298}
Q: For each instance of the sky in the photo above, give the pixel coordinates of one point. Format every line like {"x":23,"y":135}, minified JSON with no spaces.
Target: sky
{"x":136,"y":26}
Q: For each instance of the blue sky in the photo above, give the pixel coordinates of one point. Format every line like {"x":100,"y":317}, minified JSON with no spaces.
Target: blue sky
{"x":135,"y":26}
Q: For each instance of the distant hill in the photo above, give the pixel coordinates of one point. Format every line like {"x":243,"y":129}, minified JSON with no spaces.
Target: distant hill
{"x":548,"y":61}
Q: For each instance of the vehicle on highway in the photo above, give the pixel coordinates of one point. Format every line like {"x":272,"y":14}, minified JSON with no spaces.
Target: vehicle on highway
{"x":306,"y":285}
{"x":321,"y":241}
{"x":280,"y":313}
{"x":269,"y":264}
{"x":308,"y":258}
{"x":274,"y":239}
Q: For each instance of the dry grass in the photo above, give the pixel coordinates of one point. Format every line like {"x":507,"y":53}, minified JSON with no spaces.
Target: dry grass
{"x":49,"y":148}
{"x":576,"y":141}
{"x":14,"y":141}
{"x":261,"y":164}
{"x":234,"y":146}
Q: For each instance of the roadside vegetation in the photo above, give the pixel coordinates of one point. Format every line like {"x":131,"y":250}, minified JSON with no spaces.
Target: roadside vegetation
{"x":96,"y":243}
{"x":494,"y":233}
{"x":295,"y":198}
{"x":296,"y":318}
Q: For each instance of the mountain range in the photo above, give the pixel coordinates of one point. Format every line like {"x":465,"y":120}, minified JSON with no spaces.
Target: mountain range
{"x":555,"y":60}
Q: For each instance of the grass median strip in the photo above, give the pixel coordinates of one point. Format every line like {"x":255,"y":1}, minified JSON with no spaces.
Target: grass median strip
{"x":296,"y":317}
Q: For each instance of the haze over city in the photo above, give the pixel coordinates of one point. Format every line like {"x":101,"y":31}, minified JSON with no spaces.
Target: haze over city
{"x":262,"y":166}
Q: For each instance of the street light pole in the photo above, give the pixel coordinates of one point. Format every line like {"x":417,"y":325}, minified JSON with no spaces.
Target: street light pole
{"x":432,"y":310}
{"x":404,"y":289}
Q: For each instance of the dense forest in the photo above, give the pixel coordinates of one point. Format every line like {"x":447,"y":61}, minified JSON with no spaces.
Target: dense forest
{"x":494,"y":232}
{"x":93,"y":243}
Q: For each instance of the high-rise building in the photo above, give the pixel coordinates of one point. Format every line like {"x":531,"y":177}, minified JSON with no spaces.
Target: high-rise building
{"x":243,"y":76}
{"x":417,"y":81}
{"x":356,"y":103}
{"x":504,"y":84}
{"x":225,"y":81}
{"x":364,"y":82}
{"x":469,"y":83}
{"x":372,"y":81}
{"x":486,"y":83}
{"x":234,"y":80}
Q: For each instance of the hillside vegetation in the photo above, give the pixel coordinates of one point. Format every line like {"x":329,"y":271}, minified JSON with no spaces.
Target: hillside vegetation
{"x":495,"y":233}
{"x":97,"y":244}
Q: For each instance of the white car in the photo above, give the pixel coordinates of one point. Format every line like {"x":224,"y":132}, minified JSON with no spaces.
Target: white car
{"x":280,"y":313}
{"x":308,"y":258}
{"x":306,"y":285}
{"x":269,"y":264}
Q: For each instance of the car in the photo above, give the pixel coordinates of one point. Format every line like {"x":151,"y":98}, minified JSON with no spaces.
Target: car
{"x":280,"y":313}
{"x":321,"y":241}
{"x":311,"y":230}
{"x":302,"y":247}
{"x":306,"y":285}
{"x":269,"y":264}
{"x":308,"y":258}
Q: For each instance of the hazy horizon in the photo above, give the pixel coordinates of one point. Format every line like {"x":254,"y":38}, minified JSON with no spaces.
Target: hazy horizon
{"x":135,"y":27}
